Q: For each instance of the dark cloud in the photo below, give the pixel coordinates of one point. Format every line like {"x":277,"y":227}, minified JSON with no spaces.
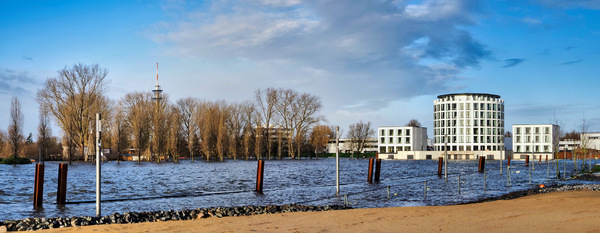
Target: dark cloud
{"x":512,"y":62}
{"x":27,"y":58}
{"x":571,"y":62}
{"x":16,"y":82}
{"x":390,"y":49}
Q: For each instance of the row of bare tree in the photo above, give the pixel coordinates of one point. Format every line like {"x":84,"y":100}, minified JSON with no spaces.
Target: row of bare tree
{"x":275,"y":123}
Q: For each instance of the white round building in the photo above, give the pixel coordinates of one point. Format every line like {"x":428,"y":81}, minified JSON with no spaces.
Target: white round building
{"x":468,"y":122}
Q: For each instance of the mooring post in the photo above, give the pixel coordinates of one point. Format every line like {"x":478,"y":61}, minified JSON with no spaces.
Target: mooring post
{"x":370,"y":172}
{"x":509,"y":158}
{"x":61,"y":193}
{"x":481,"y":164}
{"x":546,"y":159}
{"x":527,"y":161}
{"x":259,"y":176}
{"x":458,"y":183}
{"x":540,"y":161}
{"x":440,"y":161}
{"x":388,"y":192}
{"x":38,"y":188}
{"x":377,"y":169}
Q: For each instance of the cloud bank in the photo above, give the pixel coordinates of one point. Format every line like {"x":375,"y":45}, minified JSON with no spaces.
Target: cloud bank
{"x":372,"y":52}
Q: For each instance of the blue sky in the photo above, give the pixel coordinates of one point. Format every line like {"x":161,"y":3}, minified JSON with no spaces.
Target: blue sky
{"x":378,"y":61}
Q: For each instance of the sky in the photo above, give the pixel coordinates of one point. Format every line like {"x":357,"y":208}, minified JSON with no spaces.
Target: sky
{"x":377,"y":61}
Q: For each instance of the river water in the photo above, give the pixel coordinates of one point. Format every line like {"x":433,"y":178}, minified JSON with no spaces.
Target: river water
{"x":129,"y":186}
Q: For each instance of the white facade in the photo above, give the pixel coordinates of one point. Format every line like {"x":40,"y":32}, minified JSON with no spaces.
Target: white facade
{"x":345,"y":145}
{"x":534,"y":140}
{"x":467,"y":122}
{"x":569,"y":144}
{"x":592,"y":140}
{"x":434,"y":155}
{"x":401,"y":138}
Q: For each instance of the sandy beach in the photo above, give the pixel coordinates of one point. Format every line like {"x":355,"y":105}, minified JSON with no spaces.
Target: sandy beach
{"x":572,"y":211}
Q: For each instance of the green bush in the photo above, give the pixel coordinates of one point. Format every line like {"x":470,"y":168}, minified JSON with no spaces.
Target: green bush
{"x":14,"y":160}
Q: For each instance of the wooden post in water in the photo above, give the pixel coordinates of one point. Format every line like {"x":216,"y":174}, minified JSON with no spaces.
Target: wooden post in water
{"x":38,"y":188}
{"x":377,"y":169}
{"x":546,"y":159}
{"x":440,"y":161}
{"x":259,"y":176}
{"x":527,"y":161}
{"x":481,"y":164}
{"x":61,"y":193}
{"x":370,"y":172}
{"x":540,"y":161}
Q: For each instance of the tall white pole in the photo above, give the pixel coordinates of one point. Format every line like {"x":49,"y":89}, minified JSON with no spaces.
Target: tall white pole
{"x":98,"y":159}
{"x":446,"y":158}
{"x":337,"y":160}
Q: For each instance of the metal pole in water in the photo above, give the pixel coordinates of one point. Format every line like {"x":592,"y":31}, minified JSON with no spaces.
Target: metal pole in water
{"x":484,"y":180}
{"x":458,"y":183}
{"x":337,"y":160}
{"x":446,"y":159}
{"x":388,"y":191}
{"x":425,"y":189}
{"x":98,"y":159}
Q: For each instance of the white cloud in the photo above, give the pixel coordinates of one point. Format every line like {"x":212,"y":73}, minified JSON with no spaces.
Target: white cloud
{"x":350,"y":53}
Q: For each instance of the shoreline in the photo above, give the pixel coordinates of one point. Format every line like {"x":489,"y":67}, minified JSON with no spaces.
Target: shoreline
{"x":219,"y":212}
{"x":569,"y":211}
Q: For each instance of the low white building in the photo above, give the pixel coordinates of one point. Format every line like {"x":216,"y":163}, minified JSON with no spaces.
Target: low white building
{"x":401,"y":138}
{"x":346,"y":145}
{"x":592,"y":140}
{"x":568,"y":144}
{"x":534,"y":140}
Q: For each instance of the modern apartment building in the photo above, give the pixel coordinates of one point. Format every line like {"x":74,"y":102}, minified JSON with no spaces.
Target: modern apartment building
{"x":393,"y":139}
{"x":534,"y":140}
{"x":468,"y":122}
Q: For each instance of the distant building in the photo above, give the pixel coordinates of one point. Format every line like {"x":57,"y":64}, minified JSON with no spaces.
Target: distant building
{"x":346,"y":145}
{"x":401,"y":138}
{"x":468,"y":122}
{"x":568,"y":144}
{"x":592,"y":140}
{"x":534,"y":140}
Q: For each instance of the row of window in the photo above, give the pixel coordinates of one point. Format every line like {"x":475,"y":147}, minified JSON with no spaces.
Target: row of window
{"x":468,"y":131}
{"x":528,"y":130}
{"x":393,"y":149}
{"x":390,"y":140}
{"x":468,"y":114}
{"x":468,"y":148}
{"x":527,"y":139}
{"x":390,"y":132}
{"x":468,"y":123}
{"x":469,"y":139}
{"x":467,"y":106}
{"x":528,"y":149}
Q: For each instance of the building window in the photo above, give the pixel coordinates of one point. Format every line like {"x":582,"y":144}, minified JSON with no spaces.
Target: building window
{"x":399,"y":132}
{"x":382,"y":133}
{"x":382,"y":140}
{"x":547,"y":130}
{"x":546,"y":148}
{"x":407,"y":139}
{"x":391,"y":140}
{"x":518,"y":130}
{"x":391,"y":132}
{"x":398,"y":140}
{"x":390,"y":149}
{"x":518,"y":149}
{"x":527,"y":130}
{"x":407,"y":148}
{"x":537,"y":130}
{"x":407,"y":132}
{"x":382,"y":149}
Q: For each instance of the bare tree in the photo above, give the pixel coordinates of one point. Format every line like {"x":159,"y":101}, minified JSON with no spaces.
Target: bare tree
{"x":175,"y":132}
{"x":15,"y":128}
{"x":248,"y":113}
{"x":121,"y":131}
{"x":69,"y":97}
{"x":188,"y":110}
{"x":556,"y":136}
{"x":359,"y":133}
{"x":319,"y":137}
{"x":414,"y":123}
{"x":585,"y":143}
{"x":44,"y":134}
{"x":137,"y":114}
{"x":286,"y":98}
{"x":306,"y":107}
{"x":160,"y":115}
{"x":265,"y":104}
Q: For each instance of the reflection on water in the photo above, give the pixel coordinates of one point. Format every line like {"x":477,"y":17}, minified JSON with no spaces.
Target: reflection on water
{"x":149,"y":186}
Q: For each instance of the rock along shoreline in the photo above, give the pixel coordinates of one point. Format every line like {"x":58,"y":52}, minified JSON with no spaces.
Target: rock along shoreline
{"x":33,"y":224}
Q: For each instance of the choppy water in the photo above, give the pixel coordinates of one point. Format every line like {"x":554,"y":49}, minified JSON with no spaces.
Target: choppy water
{"x":186,"y":185}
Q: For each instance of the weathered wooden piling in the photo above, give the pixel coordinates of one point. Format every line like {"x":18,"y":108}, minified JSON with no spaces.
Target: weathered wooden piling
{"x":509,"y":158}
{"x":61,"y":193}
{"x":546,"y":159}
{"x":440,"y":161}
{"x":377,"y":169}
{"x":259,"y":176}
{"x":527,"y":161}
{"x":540,"y":161}
{"x":38,"y":188}
{"x":370,"y":172}
{"x":481,"y":164}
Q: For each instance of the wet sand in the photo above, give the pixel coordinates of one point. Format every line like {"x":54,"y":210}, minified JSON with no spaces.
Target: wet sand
{"x":573,"y":211}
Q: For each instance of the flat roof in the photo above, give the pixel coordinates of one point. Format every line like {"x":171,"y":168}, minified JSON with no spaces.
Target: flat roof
{"x":484,"y":94}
